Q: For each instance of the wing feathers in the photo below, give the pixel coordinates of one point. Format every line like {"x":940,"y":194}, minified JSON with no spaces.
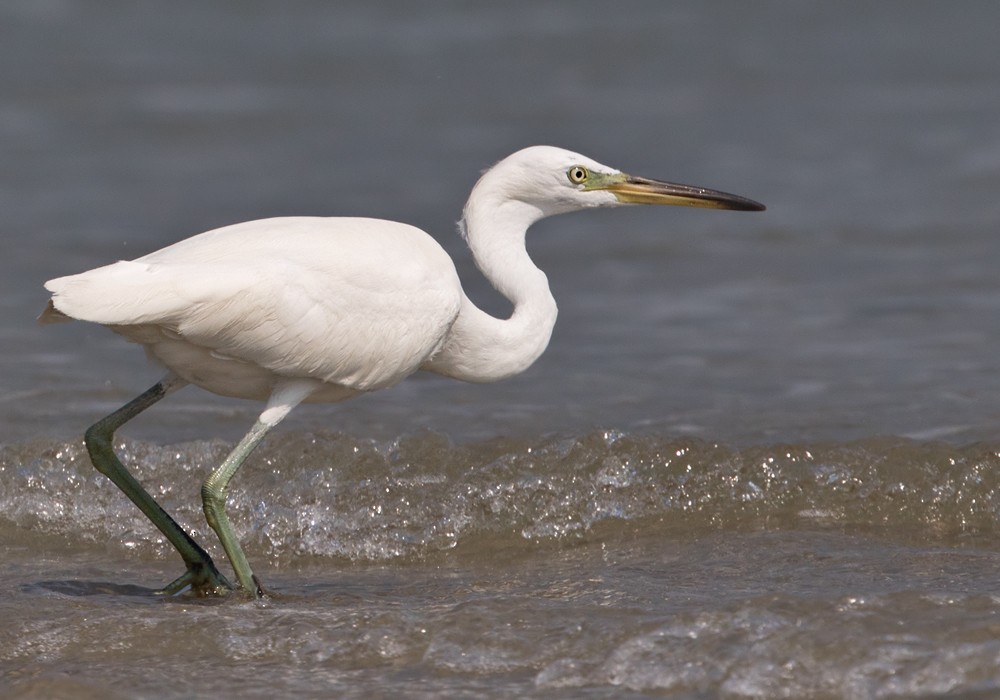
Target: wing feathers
{"x":355,"y":302}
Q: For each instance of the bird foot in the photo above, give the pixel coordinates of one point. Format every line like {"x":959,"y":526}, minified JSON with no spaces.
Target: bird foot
{"x":202,"y":578}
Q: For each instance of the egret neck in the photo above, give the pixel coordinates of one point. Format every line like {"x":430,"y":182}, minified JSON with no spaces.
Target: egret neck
{"x":480,"y":347}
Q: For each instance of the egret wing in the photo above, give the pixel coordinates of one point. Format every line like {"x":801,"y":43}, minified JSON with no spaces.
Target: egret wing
{"x":356,"y":302}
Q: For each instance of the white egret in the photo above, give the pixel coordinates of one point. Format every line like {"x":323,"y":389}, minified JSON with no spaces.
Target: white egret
{"x":311,"y":309}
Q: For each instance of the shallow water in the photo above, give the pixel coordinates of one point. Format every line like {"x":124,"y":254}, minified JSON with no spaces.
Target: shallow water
{"x":560,"y":567}
{"x":759,"y":458}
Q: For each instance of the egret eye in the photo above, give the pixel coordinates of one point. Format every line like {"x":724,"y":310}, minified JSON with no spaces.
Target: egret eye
{"x":577,"y":174}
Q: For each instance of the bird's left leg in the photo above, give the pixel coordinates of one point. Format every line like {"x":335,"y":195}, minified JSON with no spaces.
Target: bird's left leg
{"x":201,"y":575}
{"x":285,"y":397}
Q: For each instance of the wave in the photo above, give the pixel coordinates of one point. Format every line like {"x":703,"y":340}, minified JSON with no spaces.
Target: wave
{"x":308,"y":495}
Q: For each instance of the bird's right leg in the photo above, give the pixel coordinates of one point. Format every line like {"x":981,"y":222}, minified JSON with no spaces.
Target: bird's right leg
{"x":287,"y":395}
{"x":202,"y":575}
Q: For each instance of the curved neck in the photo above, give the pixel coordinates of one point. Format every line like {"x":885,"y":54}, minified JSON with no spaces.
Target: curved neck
{"x":479,"y":347}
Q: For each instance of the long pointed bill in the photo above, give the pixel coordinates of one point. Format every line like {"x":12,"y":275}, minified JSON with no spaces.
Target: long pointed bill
{"x":630,"y":189}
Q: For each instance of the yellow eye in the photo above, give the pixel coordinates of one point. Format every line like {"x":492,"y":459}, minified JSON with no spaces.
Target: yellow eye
{"x":577,"y":174}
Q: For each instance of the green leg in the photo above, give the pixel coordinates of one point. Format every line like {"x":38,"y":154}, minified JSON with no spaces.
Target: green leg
{"x":286,"y":396}
{"x":213,"y":494}
{"x":202,"y":575}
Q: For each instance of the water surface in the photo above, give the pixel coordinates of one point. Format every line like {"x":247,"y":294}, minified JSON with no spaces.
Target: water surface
{"x":758,"y":459}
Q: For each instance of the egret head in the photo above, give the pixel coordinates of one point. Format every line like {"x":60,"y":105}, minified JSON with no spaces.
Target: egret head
{"x":555,"y":181}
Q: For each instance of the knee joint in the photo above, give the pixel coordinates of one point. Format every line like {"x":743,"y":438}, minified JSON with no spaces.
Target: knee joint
{"x":213,"y":497}
{"x":96,"y":436}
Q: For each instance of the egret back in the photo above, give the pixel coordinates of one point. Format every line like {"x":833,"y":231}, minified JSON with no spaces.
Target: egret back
{"x":358,"y":303}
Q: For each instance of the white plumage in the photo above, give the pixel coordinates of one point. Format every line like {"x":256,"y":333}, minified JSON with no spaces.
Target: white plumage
{"x":299,"y":309}
{"x":235,"y":309}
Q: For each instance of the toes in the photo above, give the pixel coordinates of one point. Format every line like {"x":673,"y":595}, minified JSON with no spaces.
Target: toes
{"x":201,"y":583}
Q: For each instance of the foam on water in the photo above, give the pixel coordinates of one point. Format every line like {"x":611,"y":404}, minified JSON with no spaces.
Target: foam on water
{"x":334,"y":495}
